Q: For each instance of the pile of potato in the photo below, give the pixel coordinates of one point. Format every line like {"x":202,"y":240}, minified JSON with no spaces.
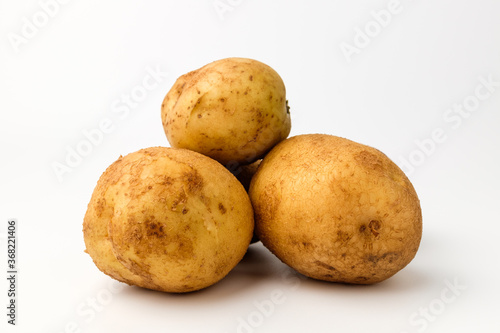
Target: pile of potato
{"x":180,"y":219}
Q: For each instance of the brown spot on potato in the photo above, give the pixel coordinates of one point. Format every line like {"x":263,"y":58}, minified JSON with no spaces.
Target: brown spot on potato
{"x":324,"y":265}
{"x":360,"y":279}
{"x":388,"y":256}
{"x":222,"y":208}
{"x":155,"y":230}
{"x":166,"y":180}
{"x":369,"y":160}
{"x":343,"y":236}
{"x":374,"y":226}
{"x":193,"y":180}
{"x":251,"y":78}
{"x":181,"y":199}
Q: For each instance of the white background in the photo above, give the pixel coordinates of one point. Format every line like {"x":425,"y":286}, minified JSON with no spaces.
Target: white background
{"x":73,"y":69}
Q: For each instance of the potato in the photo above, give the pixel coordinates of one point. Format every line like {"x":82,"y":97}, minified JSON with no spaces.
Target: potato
{"x":245,"y":174}
{"x":336,"y":210}
{"x":168,"y":219}
{"x":233,"y":110}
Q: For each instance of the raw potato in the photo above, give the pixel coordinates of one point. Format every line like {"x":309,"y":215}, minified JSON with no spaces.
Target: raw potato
{"x":233,"y":110}
{"x":336,"y":210}
{"x":245,"y":174}
{"x":168,"y":219}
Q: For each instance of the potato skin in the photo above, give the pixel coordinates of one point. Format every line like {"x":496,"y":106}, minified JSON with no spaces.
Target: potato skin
{"x":336,"y":210}
{"x":168,"y":219}
{"x":233,"y":110}
{"x":244,"y":174}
